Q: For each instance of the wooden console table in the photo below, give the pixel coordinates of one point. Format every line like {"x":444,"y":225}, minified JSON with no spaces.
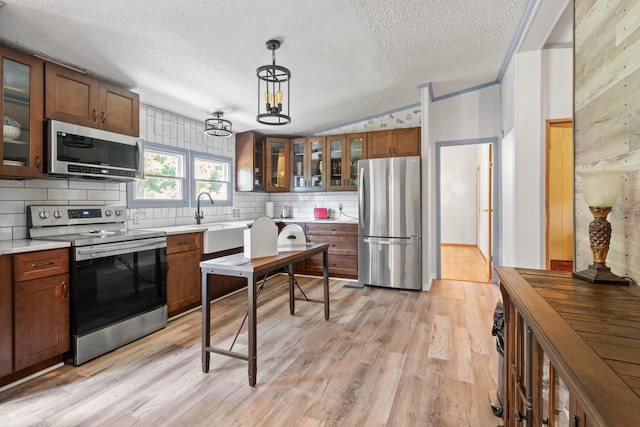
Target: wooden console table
{"x":239,"y":266}
{"x":571,"y":350}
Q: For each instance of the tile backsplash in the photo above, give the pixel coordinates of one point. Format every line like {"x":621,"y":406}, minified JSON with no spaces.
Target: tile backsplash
{"x":164,"y":128}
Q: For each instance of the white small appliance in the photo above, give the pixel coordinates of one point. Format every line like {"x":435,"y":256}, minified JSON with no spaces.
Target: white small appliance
{"x":292,"y":238}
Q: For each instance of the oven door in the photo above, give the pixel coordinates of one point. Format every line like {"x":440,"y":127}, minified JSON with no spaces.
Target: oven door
{"x":115,"y":281}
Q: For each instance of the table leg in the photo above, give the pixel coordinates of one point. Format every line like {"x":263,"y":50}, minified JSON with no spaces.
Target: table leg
{"x":206,"y":322}
{"x":251,"y":306}
{"x":325,"y":276}
{"x":292,"y":304}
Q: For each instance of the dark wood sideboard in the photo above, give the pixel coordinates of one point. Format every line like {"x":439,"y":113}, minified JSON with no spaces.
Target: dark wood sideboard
{"x":572,"y":350}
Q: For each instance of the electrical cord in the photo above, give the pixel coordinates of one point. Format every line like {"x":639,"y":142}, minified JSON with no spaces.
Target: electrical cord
{"x":342,"y":213}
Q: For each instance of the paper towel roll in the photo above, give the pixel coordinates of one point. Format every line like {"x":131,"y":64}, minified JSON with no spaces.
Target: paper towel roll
{"x":269,"y":209}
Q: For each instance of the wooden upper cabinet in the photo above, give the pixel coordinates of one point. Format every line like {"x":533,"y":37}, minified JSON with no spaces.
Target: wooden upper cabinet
{"x":342,"y":166}
{"x":250,"y":165}
{"x":119,"y":110}
{"x":76,"y":98}
{"x":379,"y":144}
{"x":406,"y":142}
{"x":393,"y":143}
{"x":307,"y":159}
{"x":277,"y":165}
{"x":21,"y":102}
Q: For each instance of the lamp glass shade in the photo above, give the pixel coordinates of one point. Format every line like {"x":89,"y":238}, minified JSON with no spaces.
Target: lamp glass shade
{"x":601,"y":188}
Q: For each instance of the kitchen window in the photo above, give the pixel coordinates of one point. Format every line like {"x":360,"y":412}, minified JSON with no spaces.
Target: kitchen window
{"x":165,"y":178}
{"x":211,"y":174}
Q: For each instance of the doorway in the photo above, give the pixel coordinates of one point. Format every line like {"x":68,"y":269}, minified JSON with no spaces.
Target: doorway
{"x":465,"y":206}
{"x":559,"y":195}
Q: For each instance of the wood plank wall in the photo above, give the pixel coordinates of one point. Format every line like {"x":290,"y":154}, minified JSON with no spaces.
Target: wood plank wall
{"x":607,"y":122}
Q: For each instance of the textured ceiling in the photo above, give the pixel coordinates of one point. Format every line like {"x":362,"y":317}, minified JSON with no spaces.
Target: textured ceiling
{"x":349,"y":59}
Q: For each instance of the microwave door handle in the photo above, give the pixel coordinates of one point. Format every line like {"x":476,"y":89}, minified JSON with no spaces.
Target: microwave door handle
{"x":139,"y":162}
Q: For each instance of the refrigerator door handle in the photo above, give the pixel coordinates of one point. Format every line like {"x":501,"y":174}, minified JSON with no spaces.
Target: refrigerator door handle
{"x":388,"y":241}
{"x":361,"y":194}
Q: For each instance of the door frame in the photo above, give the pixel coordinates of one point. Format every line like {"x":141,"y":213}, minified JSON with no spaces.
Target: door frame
{"x":495,"y":178}
{"x":550,"y":123}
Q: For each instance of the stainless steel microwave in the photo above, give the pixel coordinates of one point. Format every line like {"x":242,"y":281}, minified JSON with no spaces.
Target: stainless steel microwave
{"x":83,"y":152}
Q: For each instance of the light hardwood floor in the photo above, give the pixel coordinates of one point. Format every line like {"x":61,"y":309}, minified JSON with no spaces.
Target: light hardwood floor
{"x":385,"y":358}
{"x":463,"y":262}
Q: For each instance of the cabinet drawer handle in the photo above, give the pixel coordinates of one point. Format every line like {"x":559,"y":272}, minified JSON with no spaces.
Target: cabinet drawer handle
{"x":37,"y":162}
{"x":44,"y":264}
{"x":64,"y":289}
{"x":575,"y":421}
{"x":182,"y":243}
{"x":103,"y":116}
{"x":94,"y":114}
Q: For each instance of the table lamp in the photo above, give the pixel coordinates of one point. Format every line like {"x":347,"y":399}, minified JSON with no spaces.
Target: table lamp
{"x":600,"y":190}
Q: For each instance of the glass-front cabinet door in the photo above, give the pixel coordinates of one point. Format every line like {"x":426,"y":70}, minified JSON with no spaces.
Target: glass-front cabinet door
{"x":355,"y":145}
{"x":336,"y":152}
{"x":345,"y":151}
{"x":552,"y":402}
{"x":307,"y":162}
{"x":277,"y":167}
{"x":299,"y":180}
{"x":316,"y":151}
{"x":22,"y":113}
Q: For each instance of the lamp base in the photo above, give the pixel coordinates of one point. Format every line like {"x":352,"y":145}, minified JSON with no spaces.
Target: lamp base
{"x":600,"y":273}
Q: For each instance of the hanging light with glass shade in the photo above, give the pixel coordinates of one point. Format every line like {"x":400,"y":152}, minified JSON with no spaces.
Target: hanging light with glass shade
{"x":217,"y":126}
{"x":273,"y":91}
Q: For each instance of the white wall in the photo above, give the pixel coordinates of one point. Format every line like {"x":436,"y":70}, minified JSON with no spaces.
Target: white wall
{"x":469,"y":116}
{"x":458,"y":194}
{"x":482,"y":162}
{"x":537,"y":86}
{"x":559,"y":95}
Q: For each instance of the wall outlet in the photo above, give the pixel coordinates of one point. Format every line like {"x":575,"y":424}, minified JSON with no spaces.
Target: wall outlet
{"x":136,"y":218}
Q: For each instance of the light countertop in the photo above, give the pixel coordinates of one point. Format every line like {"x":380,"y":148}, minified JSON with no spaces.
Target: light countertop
{"x":28,"y":245}
{"x":194,"y":228}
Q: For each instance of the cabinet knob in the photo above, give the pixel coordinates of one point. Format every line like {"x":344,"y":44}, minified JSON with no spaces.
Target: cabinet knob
{"x":103,"y":116}
{"x":94,"y":114}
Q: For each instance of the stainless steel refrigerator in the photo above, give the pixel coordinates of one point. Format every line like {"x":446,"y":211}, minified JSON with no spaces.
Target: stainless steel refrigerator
{"x":389,"y":225}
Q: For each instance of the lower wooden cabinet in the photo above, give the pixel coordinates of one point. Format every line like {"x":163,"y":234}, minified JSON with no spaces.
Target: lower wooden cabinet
{"x":41,"y":319}
{"x":183,"y":272}
{"x":34,"y":312}
{"x":6,"y":316}
{"x":343,"y":249}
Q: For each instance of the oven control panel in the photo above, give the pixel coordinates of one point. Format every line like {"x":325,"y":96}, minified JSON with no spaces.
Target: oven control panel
{"x":50,"y":215}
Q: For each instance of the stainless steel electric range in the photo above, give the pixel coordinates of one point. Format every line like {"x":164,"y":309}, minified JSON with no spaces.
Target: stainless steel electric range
{"x":118,"y":282}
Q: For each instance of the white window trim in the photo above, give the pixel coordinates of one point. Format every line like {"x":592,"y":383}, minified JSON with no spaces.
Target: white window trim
{"x":155,"y":203}
{"x":211,"y":157}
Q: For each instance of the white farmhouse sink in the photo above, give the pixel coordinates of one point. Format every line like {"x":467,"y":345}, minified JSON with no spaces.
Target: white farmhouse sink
{"x":221,"y":236}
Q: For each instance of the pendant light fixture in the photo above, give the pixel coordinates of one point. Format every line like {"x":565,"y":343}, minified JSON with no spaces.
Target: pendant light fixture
{"x":273,"y":91}
{"x":217,"y":126}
